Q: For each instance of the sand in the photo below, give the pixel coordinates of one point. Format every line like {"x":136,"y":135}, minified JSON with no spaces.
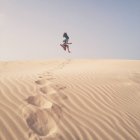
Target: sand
{"x":70,"y":100}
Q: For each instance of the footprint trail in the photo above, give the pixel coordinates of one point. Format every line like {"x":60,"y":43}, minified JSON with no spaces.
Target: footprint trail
{"x":44,"y":110}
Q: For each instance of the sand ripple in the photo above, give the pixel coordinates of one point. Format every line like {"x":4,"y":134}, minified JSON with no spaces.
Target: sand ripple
{"x":70,"y":100}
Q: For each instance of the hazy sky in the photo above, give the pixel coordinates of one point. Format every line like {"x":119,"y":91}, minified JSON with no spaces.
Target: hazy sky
{"x":33,"y":29}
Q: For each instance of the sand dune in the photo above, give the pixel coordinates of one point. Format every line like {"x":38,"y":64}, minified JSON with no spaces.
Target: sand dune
{"x":70,"y":100}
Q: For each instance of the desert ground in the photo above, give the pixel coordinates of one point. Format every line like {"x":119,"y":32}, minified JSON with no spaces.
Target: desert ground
{"x":70,"y":99}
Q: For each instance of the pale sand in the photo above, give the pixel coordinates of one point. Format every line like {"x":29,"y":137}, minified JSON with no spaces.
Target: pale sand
{"x":70,"y":100}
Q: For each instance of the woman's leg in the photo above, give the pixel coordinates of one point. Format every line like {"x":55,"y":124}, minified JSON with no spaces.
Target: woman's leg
{"x":68,"y":48}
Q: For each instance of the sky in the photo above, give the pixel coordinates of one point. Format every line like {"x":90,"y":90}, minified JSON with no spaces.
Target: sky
{"x":98,"y":29}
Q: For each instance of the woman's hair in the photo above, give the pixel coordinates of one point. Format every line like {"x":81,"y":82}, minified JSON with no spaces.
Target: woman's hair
{"x":65,"y":35}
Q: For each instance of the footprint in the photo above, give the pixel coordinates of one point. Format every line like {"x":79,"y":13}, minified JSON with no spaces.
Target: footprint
{"x":63,"y":96}
{"x":47,"y":90}
{"x":39,"y":101}
{"x":41,"y":82}
{"x":41,"y":122}
{"x":57,"y":111}
{"x":59,"y":87}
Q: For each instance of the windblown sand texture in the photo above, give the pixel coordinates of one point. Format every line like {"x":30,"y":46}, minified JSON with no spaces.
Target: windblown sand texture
{"x":70,"y":100}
